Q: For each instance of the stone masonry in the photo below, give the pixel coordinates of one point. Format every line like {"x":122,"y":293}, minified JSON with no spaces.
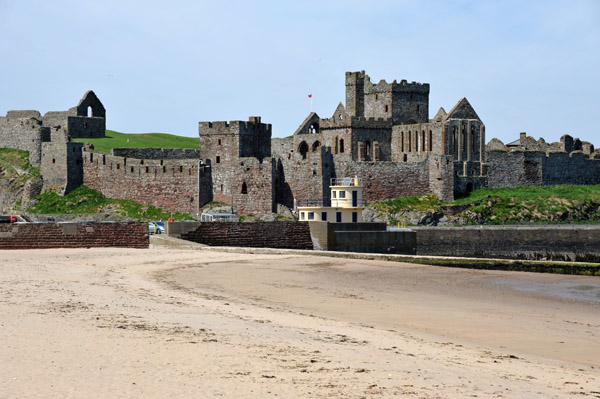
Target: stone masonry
{"x":382,"y":134}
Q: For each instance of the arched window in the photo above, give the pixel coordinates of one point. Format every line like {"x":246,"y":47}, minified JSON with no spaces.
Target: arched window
{"x":472,"y":139}
{"x":416,"y":140}
{"x":454,"y":138}
{"x":303,"y":149}
{"x":341,"y":145}
{"x":368,"y":150}
{"x":335,"y":145}
{"x":430,"y":141}
{"x":314,"y":128}
{"x":401,"y":141}
{"x":409,"y":141}
{"x":244,"y":188}
{"x":90,"y":112}
{"x":463,"y":136}
{"x":423,"y":140}
{"x":316,"y":145}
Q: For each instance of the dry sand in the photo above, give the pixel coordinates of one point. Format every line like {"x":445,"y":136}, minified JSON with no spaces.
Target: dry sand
{"x":119,"y":323}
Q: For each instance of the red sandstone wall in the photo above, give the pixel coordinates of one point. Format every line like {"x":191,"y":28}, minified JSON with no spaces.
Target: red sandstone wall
{"x":73,"y":235}
{"x":168,"y":184}
{"x":291,"y":235}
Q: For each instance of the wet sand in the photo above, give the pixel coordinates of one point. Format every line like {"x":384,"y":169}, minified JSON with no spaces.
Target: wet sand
{"x":172,"y":323}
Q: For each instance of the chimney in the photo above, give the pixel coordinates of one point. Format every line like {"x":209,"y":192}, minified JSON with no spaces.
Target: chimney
{"x":522,"y":136}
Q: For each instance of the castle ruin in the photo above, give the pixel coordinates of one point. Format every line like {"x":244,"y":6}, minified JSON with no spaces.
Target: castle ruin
{"x":383,"y":135}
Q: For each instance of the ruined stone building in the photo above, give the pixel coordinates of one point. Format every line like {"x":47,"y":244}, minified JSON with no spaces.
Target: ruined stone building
{"x":382,"y":135}
{"x":48,"y":140}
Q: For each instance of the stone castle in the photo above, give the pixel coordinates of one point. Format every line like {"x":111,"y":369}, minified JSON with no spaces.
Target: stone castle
{"x":383,"y":135}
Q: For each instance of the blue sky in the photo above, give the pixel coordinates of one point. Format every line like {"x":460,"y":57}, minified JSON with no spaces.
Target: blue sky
{"x":161,"y":66}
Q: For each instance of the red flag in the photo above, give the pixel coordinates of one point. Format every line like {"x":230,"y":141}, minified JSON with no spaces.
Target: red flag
{"x":310,"y":96}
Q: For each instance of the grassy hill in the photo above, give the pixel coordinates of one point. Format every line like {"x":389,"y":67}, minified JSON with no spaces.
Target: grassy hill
{"x":84,"y":200}
{"x":144,"y":140}
{"x":531,"y":204}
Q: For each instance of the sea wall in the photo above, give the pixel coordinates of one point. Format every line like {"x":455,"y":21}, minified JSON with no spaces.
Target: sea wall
{"x":73,"y":235}
{"x":291,"y":235}
{"x":568,"y":243}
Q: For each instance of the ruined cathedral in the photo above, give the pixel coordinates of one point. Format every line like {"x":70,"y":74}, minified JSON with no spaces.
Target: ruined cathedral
{"x":383,"y":135}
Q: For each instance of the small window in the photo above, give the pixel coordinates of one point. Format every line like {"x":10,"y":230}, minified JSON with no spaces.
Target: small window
{"x":244,"y":188}
{"x":418,"y":108}
{"x":219,"y":142}
{"x":311,"y":216}
{"x":385,"y":108}
{"x":118,"y":166}
{"x":354,"y":217}
{"x":221,"y":187}
{"x":301,"y":215}
{"x":181,"y":169}
{"x":147,"y":169}
{"x":334,"y":194}
{"x":218,"y":160}
{"x":132,"y":169}
{"x":338,"y":217}
{"x":103,"y":159}
{"x":341,"y":145}
{"x":324,"y":216}
{"x":342,"y":194}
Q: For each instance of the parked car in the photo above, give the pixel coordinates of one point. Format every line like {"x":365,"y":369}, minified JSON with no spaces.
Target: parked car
{"x":156,"y":228}
{"x":8,"y":219}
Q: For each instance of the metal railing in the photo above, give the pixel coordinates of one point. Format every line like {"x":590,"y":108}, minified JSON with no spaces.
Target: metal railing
{"x":329,"y":203}
{"x":345,"y":181}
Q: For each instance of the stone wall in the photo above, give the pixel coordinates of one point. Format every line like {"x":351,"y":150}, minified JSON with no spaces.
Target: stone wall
{"x":73,"y":235}
{"x":157,"y":153}
{"x":537,"y":168}
{"x":291,"y":235}
{"x":169,"y":184}
{"x":566,"y":243}
{"x":22,"y":130}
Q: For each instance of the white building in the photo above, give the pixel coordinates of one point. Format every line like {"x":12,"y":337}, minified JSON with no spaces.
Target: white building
{"x":345,"y":204}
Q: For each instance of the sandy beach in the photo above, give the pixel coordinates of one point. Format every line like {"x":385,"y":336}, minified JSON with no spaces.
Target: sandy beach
{"x":157,"y":323}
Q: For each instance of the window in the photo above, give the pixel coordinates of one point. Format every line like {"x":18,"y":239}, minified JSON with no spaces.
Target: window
{"x":244,"y":188}
{"x":221,"y":187}
{"x":418,"y":108}
{"x":354,"y":217}
{"x":368,"y":149}
{"x":385,"y":108}
{"x":401,"y":141}
{"x":423,"y":140}
{"x":472,"y":139}
{"x":90,"y":112}
{"x":147,"y":169}
{"x":131,"y":169}
{"x":335,"y":145}
{"x":338,"y":217}
{"x":301,"y":215}
{"x":311,"y":216}
{"x":341,"y":145}
{"x":303,"y":149}
{"x":324,"y":216}
{"x":316,"y":145}
{"x":219,"y":142}
{"x":342,"y":194}
{"x":334,"y":194}
{"x":430,"y":139}
{"x":91,"y":157}
{"x":409,"y":141}
{"x":218,"y":160}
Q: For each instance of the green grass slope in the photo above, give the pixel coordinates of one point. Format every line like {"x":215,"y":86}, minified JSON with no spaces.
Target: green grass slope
{"x":146,"y":140}
{"x":532,"y":204}
{"x":84,"y":200}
